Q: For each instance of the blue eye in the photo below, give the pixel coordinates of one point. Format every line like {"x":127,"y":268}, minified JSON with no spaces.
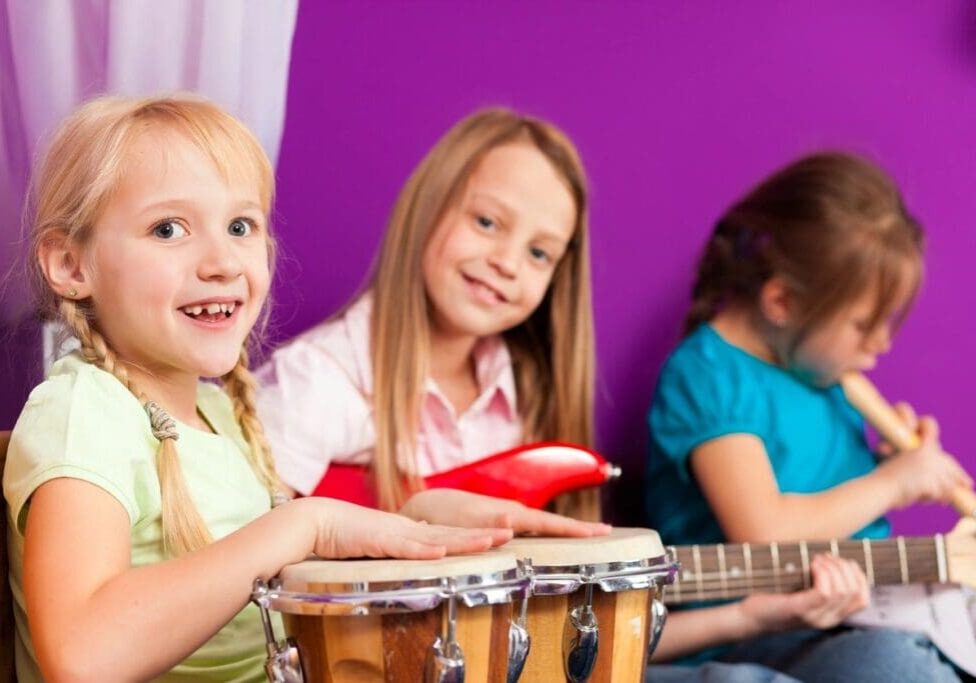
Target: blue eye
{"x":539,"y":254}
{"x":240,"y":227}
{"x":485,"y":222}
{"x":168,"y":230}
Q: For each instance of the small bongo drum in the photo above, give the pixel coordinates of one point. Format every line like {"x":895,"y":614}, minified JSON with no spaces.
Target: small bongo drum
{"x":394,"y":620}
{"x":595,"y":612}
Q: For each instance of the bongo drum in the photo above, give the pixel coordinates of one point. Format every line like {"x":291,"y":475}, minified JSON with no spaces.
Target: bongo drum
{"x":394,"y":620}
{"x":595,"y":612}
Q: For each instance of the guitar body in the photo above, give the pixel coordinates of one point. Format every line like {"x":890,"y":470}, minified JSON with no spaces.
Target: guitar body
{"x":533,"y":474}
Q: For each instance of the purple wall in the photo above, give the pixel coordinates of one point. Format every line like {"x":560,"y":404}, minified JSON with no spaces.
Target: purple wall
{"x":677,"y":109}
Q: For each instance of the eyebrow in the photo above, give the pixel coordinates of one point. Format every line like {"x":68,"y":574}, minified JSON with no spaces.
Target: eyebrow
{"x":241,"y":205}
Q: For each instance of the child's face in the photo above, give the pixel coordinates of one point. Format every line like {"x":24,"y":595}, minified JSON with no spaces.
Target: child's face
{"x":490,"y":260}
{"x":844,"y":343}
{"x":178,"y":261}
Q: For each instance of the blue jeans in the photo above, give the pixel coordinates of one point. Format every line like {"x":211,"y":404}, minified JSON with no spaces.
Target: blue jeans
{"x":715,"y":672}
{"x":840,"y":655}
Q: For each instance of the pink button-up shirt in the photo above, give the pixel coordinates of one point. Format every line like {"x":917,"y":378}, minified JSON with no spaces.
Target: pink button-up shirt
{"x":316,"y":404}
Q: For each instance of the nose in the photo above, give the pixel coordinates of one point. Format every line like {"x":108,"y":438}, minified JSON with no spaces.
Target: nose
{"x":219,"y":259}
{"x":504,"y":258}
{"x":878,"y":341}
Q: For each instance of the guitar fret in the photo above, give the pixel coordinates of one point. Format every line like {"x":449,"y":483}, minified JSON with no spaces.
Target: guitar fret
{"x":940,"y":555}
{"x":747,"y":561}
{"x":833,"y":548}
{"x":720,"y":554}
{"x":774,"y":555}
{"x":902,"y":560}
{"x":676,"y":585}
{"x":696,"y":558}
{"x":805,"y":563}
{"x":868,"y":564}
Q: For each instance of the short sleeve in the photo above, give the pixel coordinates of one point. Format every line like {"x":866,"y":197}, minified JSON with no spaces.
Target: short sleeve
{"x":82,"y":425}
{"x":697,"y":400}
{"x":313,"y":412}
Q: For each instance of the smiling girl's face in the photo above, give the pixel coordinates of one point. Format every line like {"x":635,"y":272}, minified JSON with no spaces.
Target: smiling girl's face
{"x":491,"y":258}
{"x":177,"y":266}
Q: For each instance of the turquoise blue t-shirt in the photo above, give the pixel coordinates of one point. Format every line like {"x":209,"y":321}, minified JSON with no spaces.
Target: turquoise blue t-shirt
{"x":709,"y":388}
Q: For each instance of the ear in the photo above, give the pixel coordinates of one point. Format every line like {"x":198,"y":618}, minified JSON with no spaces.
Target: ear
{"x":776,"y":302}
{"x":60,"y":259}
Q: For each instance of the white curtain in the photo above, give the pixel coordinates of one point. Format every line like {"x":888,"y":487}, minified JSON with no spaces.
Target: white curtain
{"x":54,"y":54}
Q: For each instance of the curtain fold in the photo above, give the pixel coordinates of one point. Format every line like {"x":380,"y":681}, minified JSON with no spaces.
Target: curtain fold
{"x":54,"y":54}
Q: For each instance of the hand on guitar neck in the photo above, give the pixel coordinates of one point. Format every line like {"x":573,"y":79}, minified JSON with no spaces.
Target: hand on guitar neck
{"x":921,"y":470}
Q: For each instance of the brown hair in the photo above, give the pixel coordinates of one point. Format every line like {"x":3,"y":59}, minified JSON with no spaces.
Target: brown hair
{"x":77,"y":176}
{"x":832,"y":225}
{"x":552,"y":350}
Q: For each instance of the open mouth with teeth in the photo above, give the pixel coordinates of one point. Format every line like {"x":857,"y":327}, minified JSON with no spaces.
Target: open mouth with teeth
{"x":210,"y":313}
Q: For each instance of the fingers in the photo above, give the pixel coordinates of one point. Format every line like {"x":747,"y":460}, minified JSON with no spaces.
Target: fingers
{"x":839,"y":589}
{"x":527,"y":520}
{"x":907,"y":415}
{"x":457,"y":540}
{"x":928,"y":429}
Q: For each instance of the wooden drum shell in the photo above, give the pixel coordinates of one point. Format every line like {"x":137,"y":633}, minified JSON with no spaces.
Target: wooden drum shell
{"x":392,"y":648}
{"x":389,"y":638}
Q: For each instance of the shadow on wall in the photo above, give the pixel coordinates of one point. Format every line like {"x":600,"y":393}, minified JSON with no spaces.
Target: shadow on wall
{"x":624,"y":438}
{"x":21,"y":365}
{"x":962,"y":32}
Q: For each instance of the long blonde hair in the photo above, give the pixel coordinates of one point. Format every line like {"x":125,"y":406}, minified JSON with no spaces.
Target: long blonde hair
{"x":77,"y":175}
{"x":552,"y":351}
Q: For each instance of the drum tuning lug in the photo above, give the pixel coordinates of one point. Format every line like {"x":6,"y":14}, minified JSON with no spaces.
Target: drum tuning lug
{"x":581,"y":640}
{"x":284,"y":662}
{"x":659,"y":614}
{"x":445,"y":663}
{"x":445,"y":659}
{"x":519,"y":641}
{"x":519,"y":645}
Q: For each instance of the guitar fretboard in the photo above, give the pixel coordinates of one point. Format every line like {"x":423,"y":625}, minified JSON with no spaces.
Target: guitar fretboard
{"x":715,"y":572}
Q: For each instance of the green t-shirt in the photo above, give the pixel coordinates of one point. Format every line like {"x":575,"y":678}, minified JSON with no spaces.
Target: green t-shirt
{"x":84,"y":424}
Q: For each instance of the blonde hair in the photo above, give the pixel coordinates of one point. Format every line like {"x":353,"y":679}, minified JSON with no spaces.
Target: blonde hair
{"x":552,"y":351}
{"x":77,"y":176}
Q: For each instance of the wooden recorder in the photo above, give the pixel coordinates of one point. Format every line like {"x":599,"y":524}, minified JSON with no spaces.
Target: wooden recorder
{"x":878,"y":412}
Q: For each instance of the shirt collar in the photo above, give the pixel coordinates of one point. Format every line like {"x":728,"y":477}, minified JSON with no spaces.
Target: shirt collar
{"x":494,"y":374}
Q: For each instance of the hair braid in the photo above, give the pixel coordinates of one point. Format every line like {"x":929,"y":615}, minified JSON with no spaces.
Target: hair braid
{"x":241,"y":387}
{"x":183,"y":528}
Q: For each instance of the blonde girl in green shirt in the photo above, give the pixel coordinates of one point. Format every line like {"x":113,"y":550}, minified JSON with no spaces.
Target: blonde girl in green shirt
{"x":140,"y":498}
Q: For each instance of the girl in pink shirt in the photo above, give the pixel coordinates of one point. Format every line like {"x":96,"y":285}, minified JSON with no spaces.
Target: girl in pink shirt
{"x":475,"y":334}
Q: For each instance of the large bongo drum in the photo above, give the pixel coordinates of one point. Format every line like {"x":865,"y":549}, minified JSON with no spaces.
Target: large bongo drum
{"x":595,"y":611}
{"x":367,"y":621}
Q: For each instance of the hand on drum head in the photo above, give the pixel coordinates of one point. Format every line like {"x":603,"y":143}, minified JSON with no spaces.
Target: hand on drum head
{"x":840,"y":588}
{"x":348,"y":530}
{"x":462,"y":508}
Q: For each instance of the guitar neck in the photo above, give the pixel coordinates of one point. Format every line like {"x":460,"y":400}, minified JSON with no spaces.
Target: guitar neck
{"x":716,"y":572}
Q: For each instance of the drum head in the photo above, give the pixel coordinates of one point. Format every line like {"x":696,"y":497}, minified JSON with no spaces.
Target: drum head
{"x":621,"y":545}
{"x":305,"y":575}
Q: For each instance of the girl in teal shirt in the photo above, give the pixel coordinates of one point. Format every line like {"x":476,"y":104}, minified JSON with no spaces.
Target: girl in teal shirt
{"x":751,"y":438}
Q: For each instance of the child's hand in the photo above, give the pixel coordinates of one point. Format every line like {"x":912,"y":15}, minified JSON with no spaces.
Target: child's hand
{"x":840,"y":588}
{"x":461,"y":508}
{"x":909,"y":417}
{"x":927,"y":473}
{"x":347,"y":530}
